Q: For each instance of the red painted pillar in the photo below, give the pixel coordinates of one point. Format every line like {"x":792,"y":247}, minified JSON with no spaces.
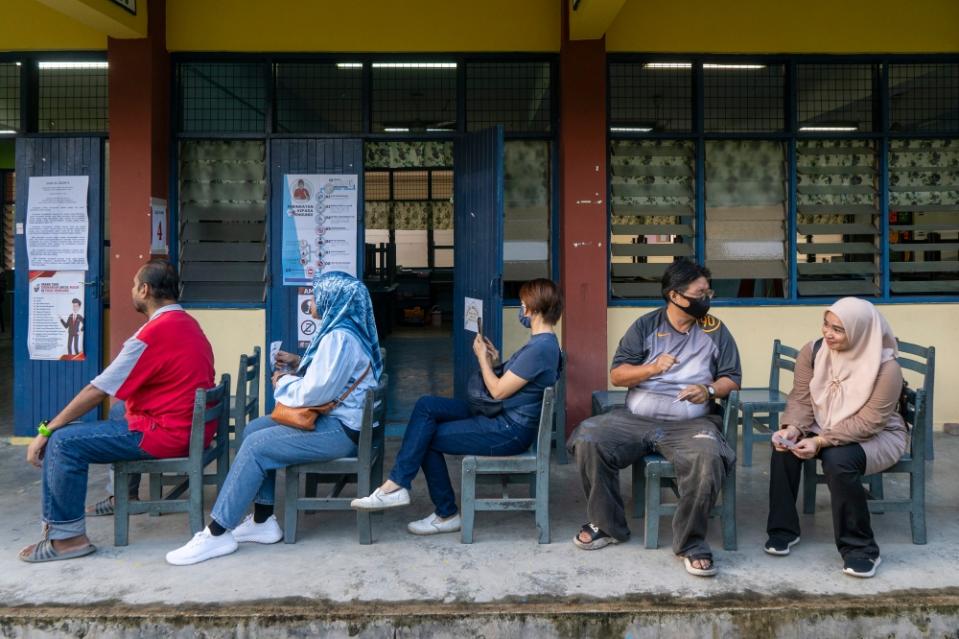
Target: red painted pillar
{"x":139,"y":81}
{"x":582,"y":145}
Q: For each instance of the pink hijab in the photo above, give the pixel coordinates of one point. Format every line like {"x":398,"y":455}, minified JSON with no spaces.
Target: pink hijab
{"x":843,"y":380}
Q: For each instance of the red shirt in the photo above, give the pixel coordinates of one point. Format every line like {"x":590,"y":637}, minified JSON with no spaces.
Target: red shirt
{"x":157,"y":374}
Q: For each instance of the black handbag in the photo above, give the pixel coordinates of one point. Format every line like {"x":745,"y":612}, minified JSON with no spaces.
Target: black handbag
{"x":479,"y":399}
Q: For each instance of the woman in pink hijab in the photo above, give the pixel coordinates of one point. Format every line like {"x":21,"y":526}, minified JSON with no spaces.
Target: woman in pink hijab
{"x":842,"y":409}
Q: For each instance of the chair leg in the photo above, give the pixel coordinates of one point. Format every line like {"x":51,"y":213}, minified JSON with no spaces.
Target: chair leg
{"x":156,"y":490}
{"x":532,"y":480}
{"x":542,"y":499}
{"x":917,"y":515}
{"x":653,"y":495}
{"x":312,"y":485}
{"x":292,"y":507}
{"x":747,"y":436}
{"x":560,"y":440}
{"x":639,"y":490}
{"x":468,"y":501}
{"x":222,"y":466}
{"x":196,"y":500}
{"x":364,"y":522}
{"x":809,"y":481}
{"x":121,"y":508}
{"x":730,"y":541}
{"x":875,"y":491}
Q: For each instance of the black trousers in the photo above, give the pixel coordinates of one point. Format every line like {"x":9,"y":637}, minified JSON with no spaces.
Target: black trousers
{"x":843,"y":467}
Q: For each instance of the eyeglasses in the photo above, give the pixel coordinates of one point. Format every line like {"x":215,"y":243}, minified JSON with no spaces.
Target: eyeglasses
{"x":708,"y":294}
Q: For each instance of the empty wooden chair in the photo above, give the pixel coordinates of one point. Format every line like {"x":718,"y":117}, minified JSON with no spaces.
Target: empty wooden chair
{"x":246,"y":401}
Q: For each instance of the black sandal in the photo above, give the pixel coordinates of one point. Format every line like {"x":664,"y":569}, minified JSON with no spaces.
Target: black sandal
{"x":597,"y":538}
{"x":701,"y":572}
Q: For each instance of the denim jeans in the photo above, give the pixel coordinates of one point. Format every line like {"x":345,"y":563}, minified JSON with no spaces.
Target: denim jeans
{"x":66,"y":462}
{"x":441,"y":426}
{"x":267,"y":446}
{"x":118,"y":412}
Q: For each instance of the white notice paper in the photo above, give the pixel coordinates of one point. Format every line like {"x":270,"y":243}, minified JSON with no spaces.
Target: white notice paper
{"x":159,"y":233}
{"x":56,"y":326}
{"x":57,"y":225}
{"x":305,"y":324}
{"x":274,"y":350}
{"x":474,"y":311}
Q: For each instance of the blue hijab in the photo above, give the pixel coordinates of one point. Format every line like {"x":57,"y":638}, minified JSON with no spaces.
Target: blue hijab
{"x":343,"y":302}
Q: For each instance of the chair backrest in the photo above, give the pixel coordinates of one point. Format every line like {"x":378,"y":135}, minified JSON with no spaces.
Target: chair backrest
{"x":547,"y":413}
{"x":921,"y":360}
{"x":209,"y":405}
{"x":913,"y":410}
{"x":559,"y":400}
{"x":374,"y":412}
{"x":730,"y":418}
{"x":784,"y":357}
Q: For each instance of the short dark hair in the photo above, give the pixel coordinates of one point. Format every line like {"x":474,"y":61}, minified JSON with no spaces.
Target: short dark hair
{"x":544,"y":297}
{"x":680,"y":274}
{"x":162,"y":279}
{"x":76,"y":301}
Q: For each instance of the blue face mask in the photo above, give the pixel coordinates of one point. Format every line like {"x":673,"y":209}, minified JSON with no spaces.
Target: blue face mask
{"x":525,"y":321}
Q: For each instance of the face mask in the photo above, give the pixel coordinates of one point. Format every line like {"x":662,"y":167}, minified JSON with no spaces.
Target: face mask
{"x":525,"y":321}
{"x":698,"y":307}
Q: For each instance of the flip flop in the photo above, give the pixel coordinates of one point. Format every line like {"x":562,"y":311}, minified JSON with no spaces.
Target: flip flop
{"x":597,"y":538}
{"x":44,"y":551}
{"x":102,"y":508}
{"x":700,"y":572}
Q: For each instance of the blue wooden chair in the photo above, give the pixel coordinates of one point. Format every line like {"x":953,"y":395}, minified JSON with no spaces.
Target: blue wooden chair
{"x":365,"y":470}
{"x":208,"y":405}
{"x":913,"y":463}
{"x":652,"y":473}
{"x":760,"y":407}
{"x":922,"y":360}
{"x":533,"y":466}
{"x":246,"y":401}
{"x":559,"y":421}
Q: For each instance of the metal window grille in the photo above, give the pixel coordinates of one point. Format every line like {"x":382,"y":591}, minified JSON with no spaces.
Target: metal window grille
{"x":9,"y":96}
{"x":652,"y":211}
{"x":9,"y":198}
{"x":837,"y":224}
{"x":514,"y":94}
{"x":650,"y":96}
{"x":222,"y":97}
{"x":924,"y":217}
{"x":320,"y":97}
{"x":743,"y":97}
{"x":73,"y":98}
{"x":410,"y":97}
{"x":924,"y":97}
{"x":222,"y":221}
{"x":836,"y":96}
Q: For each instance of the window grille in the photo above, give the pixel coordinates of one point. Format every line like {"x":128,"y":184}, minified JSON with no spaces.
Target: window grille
{"x":222,"y":97}
{"x":924,"y":216}
{"x":650,"y":96}
{"x":924,"y":97}
{"x":73,"y":97}
{"x":9,"y":96}
{"x":836,"y":97}
{"x":319,"y":97}
{"x":8,"y":207}
{"x":837,"y":218}
{"x":222,"y":221}
{"x":743,"y":97}
{"x":514,"y":94}
{"x":414,"y":97}
{"x":653,"y":212}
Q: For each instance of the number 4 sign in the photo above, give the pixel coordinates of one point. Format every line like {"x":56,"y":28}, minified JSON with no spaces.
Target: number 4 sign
{"x":159,"y":232}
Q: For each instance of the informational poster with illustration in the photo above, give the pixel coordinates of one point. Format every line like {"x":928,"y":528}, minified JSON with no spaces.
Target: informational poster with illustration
{"x":56,"y":325}
{"x":306,"y":326}
{"x":472,"y":313}
{"x":57,"y":224}
{"x":319,"y":226}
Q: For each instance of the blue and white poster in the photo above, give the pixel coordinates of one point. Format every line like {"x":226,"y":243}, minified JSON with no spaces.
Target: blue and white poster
{"x":319,"y":226}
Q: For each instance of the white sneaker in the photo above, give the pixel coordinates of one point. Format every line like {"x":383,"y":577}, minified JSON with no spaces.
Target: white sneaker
{"x":433,"y":525}
{"x":381,"y":501}
{"x":203,"y":546}
{"x":269,"y":532}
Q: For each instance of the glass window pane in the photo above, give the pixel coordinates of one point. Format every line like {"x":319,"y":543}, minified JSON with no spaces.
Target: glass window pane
{"x":322,"y":97}
{"x":514,"y":94}
{"x":743,"y":97}
{"x":746,"y":217}
{"x":923,"y":97}
{"x":924,"y":217}
{"x":526,"y":226}
{"x":654,"y":96}
{"x":73,"y":97}
{"x":222,"y":97}
{"x":652,"y":210}
{"x":411,"y":97}
{"x":836,"y":97}
{"x":837,"y":205}
{"x":9,"y":96}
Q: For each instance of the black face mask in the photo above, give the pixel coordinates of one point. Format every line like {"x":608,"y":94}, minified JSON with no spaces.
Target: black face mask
{"x":698,"y":307}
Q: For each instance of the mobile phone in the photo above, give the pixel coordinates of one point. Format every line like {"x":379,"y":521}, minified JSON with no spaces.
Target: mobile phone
{"x":785,"y":443}
{"x":479,"y":326}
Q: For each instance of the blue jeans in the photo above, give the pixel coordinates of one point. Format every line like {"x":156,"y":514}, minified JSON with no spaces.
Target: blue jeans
{"x":66,"y":461}
{"x":441,"y":426}
{"x":267,"y":446}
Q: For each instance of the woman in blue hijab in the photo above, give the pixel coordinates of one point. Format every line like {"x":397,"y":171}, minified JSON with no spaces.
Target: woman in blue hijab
{"x":344,"y":349}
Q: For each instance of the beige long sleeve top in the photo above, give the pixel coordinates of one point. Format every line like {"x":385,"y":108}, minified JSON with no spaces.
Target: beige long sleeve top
{"x":877,"y":427}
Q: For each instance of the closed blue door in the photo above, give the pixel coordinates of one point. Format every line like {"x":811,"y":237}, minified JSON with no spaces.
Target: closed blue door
{"x":304,"y":156}
{"x":43,"y":387}
{"x":478,"y":241}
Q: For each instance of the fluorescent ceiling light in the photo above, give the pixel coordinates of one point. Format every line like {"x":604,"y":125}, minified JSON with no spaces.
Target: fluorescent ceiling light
{"x":734,"y":66}
{"x":349,"y":65}
{"x":7,"y":132}
{"x":630,"y":129}
{"x":668,"y":65}
{"x":74,"y":65}
{"x":396,"y":129}
{"x":828,"y":128}
{"x":428,"y":130}
{"x":414,"y":65}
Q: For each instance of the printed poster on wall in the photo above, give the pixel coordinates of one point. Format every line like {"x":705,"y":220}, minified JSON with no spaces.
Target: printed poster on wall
{"x":56,"y":319}
{"x":319,"y":226}
{"x":57,"y":225}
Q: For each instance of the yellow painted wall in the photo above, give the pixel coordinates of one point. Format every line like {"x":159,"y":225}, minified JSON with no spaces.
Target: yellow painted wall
{"x":515,"y":335}
{"x":364,"y":25}
{"x":232,"y":333}
{"x":27,"y":25}
{"x":770,"y":26}
{"x":756,"y":328}
{"x":105,"y":16}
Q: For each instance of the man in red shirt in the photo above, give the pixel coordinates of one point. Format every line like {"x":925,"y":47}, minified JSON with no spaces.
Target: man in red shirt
{"x":156,"y":375}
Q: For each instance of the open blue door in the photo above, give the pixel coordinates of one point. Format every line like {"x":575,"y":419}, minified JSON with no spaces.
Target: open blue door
{"x":43,"y":387}
{"x":307,"y":157}
{"x":478,"y":242}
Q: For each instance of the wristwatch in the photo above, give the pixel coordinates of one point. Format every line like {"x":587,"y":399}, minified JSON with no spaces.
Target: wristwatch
{"x":42,"y":428}
{"x":710,"y":391}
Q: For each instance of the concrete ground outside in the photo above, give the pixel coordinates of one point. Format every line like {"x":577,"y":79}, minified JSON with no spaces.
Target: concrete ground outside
{"x":504,"y":578}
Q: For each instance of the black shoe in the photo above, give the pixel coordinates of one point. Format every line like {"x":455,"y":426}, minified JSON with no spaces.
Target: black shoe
{"x":779,"y":545}
{"x":862,"y":567}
